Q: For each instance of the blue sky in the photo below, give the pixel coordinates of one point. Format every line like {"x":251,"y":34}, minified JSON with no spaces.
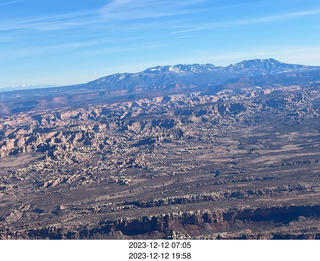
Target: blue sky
{"x":67,"y":42}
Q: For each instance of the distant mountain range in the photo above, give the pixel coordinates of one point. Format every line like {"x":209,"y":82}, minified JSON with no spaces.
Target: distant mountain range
{"x":195,"y":74}
{"x":164,"y":80}
{"x":25,"y":87}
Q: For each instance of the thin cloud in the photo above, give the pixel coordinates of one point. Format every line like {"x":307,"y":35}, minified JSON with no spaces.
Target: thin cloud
{"x":140,"y":9}
{"x":11,"y":2}
{"x":267,"y":19}
{"x":80,"y":47}
{"x":113,"y":50}
{"x":113,"y":12}
{"x":60,"y":21}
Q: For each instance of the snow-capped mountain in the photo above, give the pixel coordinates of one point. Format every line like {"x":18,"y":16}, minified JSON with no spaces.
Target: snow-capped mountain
{"x":164,"y":80}
{"x":258,"y":67}
{"x":195,"y":74}
{"x":262,"y":72}
{"x":182,"y":68}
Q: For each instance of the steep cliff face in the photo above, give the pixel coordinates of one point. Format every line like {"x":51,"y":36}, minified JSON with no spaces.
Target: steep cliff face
{"x":221,"y":224}
{"x":247,"y":223}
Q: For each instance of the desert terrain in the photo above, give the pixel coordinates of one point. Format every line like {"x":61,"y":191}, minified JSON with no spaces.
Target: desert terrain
{"x":233,"y":158}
